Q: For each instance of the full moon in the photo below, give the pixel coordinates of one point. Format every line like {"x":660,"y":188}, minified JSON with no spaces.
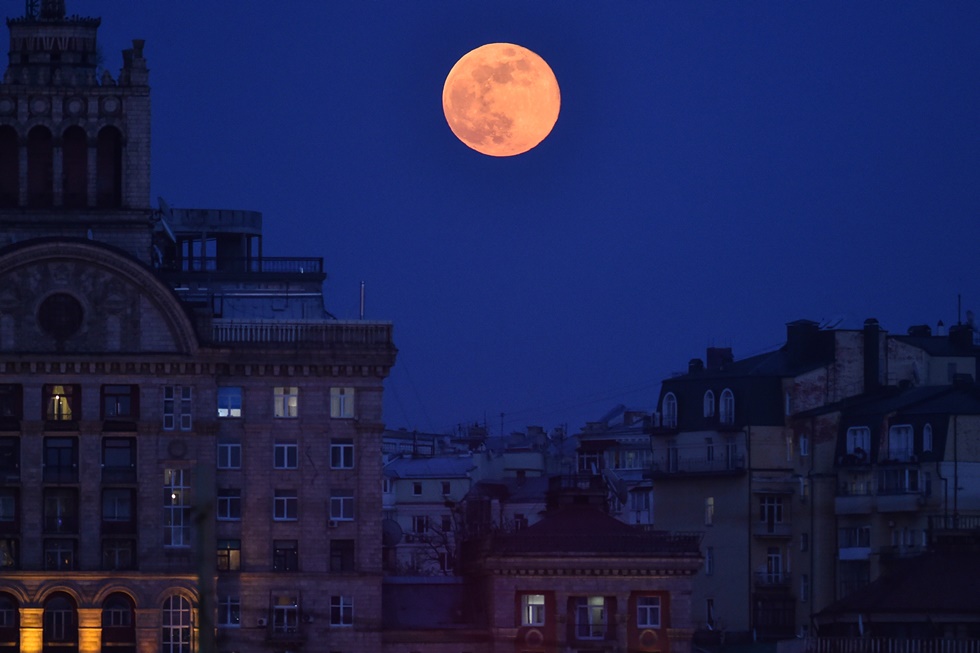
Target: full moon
{"x":501,"y":99}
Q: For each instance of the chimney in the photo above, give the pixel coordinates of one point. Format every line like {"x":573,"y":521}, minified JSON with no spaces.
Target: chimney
{"x":940,"y":329}
{"x":719,"y":358}
{"x":695,"y":365}
{"x":872,"y":364}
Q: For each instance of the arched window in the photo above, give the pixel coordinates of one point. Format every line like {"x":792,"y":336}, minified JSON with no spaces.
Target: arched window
{"x":118,"y":625}
{"x":60,"y":625}
{"x":726,"y":409}
{"x":927,"y":438}
{"x":75,"y":168}
{"x":670,"y":410}
{"x":176,"y":625}
{"x":9,"y":168}
{"x":40,"y":168}
{"x":109,"y":168}
{"x":9,"y":624}
{"x":709,"y":404}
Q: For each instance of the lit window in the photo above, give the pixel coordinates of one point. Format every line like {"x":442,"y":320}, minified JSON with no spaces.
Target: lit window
{"x":342,"y":453}
{"x":229,"y":401}
{"x":341,"y":611}
{"x":532,"y":609}
{"x":229,"y":505}
{"x":62,"y":402}
{"x":709,"y":404}
{"x":342,"y":505}
{"x":229,"y":611}
{"x":177,"y":408}
{"x":726,"y":411}
{"x":670,"y":410}
{"x":176,"y":509}
{"x":590,"y":617}
{"x":229,"y":555}
{"x":342,"y":403}
{"x":285,"y":506}
{"x":229,"y":455}
{"x":648,"y":612}
{"x":286,"y":455}
{"x":285,"y":614}
{"x":286,"y":401}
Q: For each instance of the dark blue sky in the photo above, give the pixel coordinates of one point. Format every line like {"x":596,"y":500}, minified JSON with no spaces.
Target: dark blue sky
{"x":718,"y":169}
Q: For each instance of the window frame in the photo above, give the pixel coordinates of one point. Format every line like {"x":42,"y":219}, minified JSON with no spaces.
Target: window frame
{"x":230,"y":402}
{"x":285,"y":505}
{"x":226,"y":455}
{"x":646,"y":606}
{"x":177,"y":507}
{"x":341,"y":611}
{"x":533,"y":609}
{"x":229,"y":611}
{"x":285,"y":402}
{"x":342,"y":504}
{"x":669,"y":410}
{"x":285,"y":556}
{"x":71,"y":393}
{"x":228,"y":504}
{"x":125,"y":405}
{"x":285,"y":454}
{"x":342,"y":400}
{"x":228,"y":555}
{"x":591,"y":617}
{"x":342,"y":453}
{"x":726,"y":407}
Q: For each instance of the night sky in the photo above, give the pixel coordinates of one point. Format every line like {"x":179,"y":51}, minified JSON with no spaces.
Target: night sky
{"x":718,"y":169}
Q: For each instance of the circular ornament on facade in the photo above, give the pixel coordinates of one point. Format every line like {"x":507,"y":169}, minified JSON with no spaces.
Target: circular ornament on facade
{"x":40,"y":106}
{"x":7,"y":106}
{"x":60,"y":315}
{"x":75,"y":106}
{"x":110,"y":105}
{"x":648,"y":638}
{"x":534,"y":638}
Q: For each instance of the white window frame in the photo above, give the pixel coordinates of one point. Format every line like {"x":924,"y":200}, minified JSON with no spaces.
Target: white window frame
{"x":420,"y":524}
{"x":229,"y":611}
{"x":709,"y":511}
{"x":859,"y":438}
{"x":230,"y":401}
{"x":285,"y":402}
{"x":342,"y":402}
{"x":342,"y":453}
{"x":901,"y":442}
{"x":285,"y":614}
{"x":726,"y":407}
{"x":227,"y":453}
{"x":177,"y":622}
{"x":285,"y":455}
{"x":670,"y":410}
{"x":285,"y":506}
{"x":804,"y":445}
{"x":229,"y":507}
{"x":927,"y":443}
{"x":709,"y":404}
{"x":341,"y":611}
{"x":177,"y":407}
{"x":532,"y":610}
{"x":177,"y":509}
{"x":648,"y":612}
{"x":342,"y":505}
{"x":591,"y":617}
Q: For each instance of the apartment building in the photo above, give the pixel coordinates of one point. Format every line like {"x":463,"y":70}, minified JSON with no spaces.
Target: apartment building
{"x":184,"y":450}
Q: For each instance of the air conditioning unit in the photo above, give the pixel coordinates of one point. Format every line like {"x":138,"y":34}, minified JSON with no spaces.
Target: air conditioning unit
{"x":307,"y":618}
{"x":333,"y":523}
{"x":263,"y":622}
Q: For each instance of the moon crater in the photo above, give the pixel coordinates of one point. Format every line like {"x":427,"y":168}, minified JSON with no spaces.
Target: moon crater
{"x":501,"y":99}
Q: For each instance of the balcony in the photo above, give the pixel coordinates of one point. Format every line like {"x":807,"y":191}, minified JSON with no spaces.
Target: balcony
{"x":773,"y":530}
{"x":64,"y":525}
{"x":699,"y":466}
{"x":302,"y":333}
{"x":854,"y":553}
{"x":249,"y":265}
{"x":772,"y":580}
{"x":60,"y":474}
{"x":119,"y":475}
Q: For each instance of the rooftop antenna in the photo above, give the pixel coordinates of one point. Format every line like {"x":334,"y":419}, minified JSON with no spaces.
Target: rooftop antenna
{"x":362,"y":300}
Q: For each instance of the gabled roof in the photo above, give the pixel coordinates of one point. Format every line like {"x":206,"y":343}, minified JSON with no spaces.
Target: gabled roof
{"x":434,"y":467}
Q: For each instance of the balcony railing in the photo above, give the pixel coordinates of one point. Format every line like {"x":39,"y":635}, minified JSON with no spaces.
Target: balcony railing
{"x":773,"y":579}
{"x":700,"y":465}
{"x":887,"y":645}
{"x":251,"y":265}
{"x":319,"y":333}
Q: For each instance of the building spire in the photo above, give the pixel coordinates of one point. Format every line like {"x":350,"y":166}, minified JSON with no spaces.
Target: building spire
{"x":52,"y":9}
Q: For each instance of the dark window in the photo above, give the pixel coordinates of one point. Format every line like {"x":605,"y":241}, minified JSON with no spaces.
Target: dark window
{"x":285,"y":555}
{"x":229,"y":555}
{"x":75,"y":168}
{"x":109,"y":169}
{"x":9,"y":459}
{"x":120,"y":402}
{"x":118,"y":554}
{"x":59,"y":555}
{"x":40,"y":168}
{"x":61,"y":460}
{"x":342,"y":555}
{"x":229,"y":504}
{"x":61,"y":403}
{"x":11,"y":406}
{"x":60,"y":624}
{"x":119,"y":460}
{"x":9,"y":511}
{"x":61,"y":511}
{"x":118,"y":624}
{"x":9,"y":624}
{"x":9,"y":168}
{"x":118,"y":510}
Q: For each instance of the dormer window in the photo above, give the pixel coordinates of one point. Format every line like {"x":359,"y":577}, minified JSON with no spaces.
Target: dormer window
{"x":927,"y":438}
{"x":670,"y":410}
{"x":858,"y":440}
{"x":727,"y":408}
{"x":900,"y":442}
{"x":709,"y":404}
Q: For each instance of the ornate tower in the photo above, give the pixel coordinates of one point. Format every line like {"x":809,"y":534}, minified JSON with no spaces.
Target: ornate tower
{"x":74,"y":141}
